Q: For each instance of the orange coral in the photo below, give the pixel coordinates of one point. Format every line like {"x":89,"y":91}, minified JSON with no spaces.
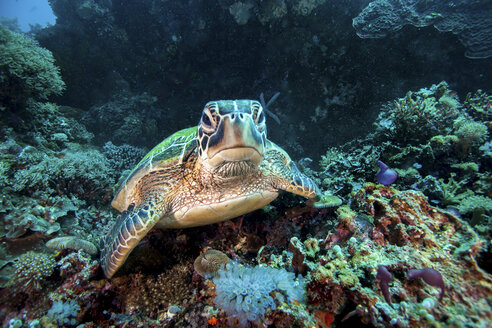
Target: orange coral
{"x":213,"y":321}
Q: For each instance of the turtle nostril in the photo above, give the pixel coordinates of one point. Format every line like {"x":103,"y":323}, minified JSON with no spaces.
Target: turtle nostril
{"x":233,"y":116}
{"x":241,"y":116}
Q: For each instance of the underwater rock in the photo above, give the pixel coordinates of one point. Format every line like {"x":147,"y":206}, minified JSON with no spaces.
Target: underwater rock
{"x":241,"y":11}
{"x":471,"y":22}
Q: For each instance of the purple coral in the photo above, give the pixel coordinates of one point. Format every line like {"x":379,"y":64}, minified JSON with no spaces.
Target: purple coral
{"x":386,"y":175}
{"x":430,"y":276}
{"x":384,"y":277}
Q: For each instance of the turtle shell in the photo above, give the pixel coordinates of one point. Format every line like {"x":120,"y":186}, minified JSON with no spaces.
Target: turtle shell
{"x":169,"y":152}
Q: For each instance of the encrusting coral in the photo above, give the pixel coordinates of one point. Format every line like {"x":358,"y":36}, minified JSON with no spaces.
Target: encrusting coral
{"x":405,"y":234}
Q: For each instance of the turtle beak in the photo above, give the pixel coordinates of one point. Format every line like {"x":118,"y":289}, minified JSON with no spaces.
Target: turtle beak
{"x":237,"y":139}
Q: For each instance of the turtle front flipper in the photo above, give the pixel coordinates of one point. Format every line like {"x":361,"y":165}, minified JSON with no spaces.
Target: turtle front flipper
{"x":285,"y":175}
{"x":130,"y":227}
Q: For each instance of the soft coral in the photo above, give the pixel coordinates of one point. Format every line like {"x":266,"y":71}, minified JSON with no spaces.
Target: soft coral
{"x":430,"y":276}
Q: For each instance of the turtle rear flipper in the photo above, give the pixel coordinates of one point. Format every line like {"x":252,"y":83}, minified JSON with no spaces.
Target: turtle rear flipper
{"x":130,"y":227}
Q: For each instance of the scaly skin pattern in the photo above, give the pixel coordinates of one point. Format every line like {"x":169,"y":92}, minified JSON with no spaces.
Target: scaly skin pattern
{"x":224,"y":168}
{"x":130,"y":228}
{"x":285,"y":175}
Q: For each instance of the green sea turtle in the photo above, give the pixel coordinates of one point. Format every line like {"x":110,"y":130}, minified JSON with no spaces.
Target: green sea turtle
{"x":219,"y":170}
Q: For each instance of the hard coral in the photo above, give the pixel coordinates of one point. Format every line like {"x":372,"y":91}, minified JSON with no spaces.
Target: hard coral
{"x":71,"y":242}
{"x":82,"y":172}
{"x":31,"y":271}
{"x":208,"y":263}
{"x":26,"y":69}
{"x":419,"y":116}
{"x":153,"y":295}
{"x":123,"y":157}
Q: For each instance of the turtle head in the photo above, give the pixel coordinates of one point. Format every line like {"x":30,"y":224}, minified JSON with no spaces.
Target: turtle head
{"x":231,"y":136}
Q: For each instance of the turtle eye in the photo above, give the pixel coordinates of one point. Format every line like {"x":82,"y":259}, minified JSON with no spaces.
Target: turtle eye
{"x":261,"y":118}
{"x":206,"y":120}
{"x":257,"y":115}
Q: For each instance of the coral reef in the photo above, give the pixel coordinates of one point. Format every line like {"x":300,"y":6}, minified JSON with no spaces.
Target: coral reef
{"x":423,"y":111}
{"x":31,"y":271}
{"x":406,"y":233}
{"x":153,"y":295}
{"x":316,"y":71}
{"x":123,"y":157}
{"x":126,"y":119}
{"x":64,"y":313}
{"x":245,"y":293}
{"x":467,"y":20}
{"x":434,"y":145}
{"x":27,"y":70}
{"x":136,"y":72}
{"x":80,"y":171}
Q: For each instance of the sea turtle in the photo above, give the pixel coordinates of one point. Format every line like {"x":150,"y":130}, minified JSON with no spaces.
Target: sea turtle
{"x":219,"y":170}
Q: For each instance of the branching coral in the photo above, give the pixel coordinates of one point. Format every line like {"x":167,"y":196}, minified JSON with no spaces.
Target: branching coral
{"x":469,"y":133}
{"x":123,"y":157}
{"x":27,"y":70}
{"x":82,"y":172}
{"x":420,"y":115}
